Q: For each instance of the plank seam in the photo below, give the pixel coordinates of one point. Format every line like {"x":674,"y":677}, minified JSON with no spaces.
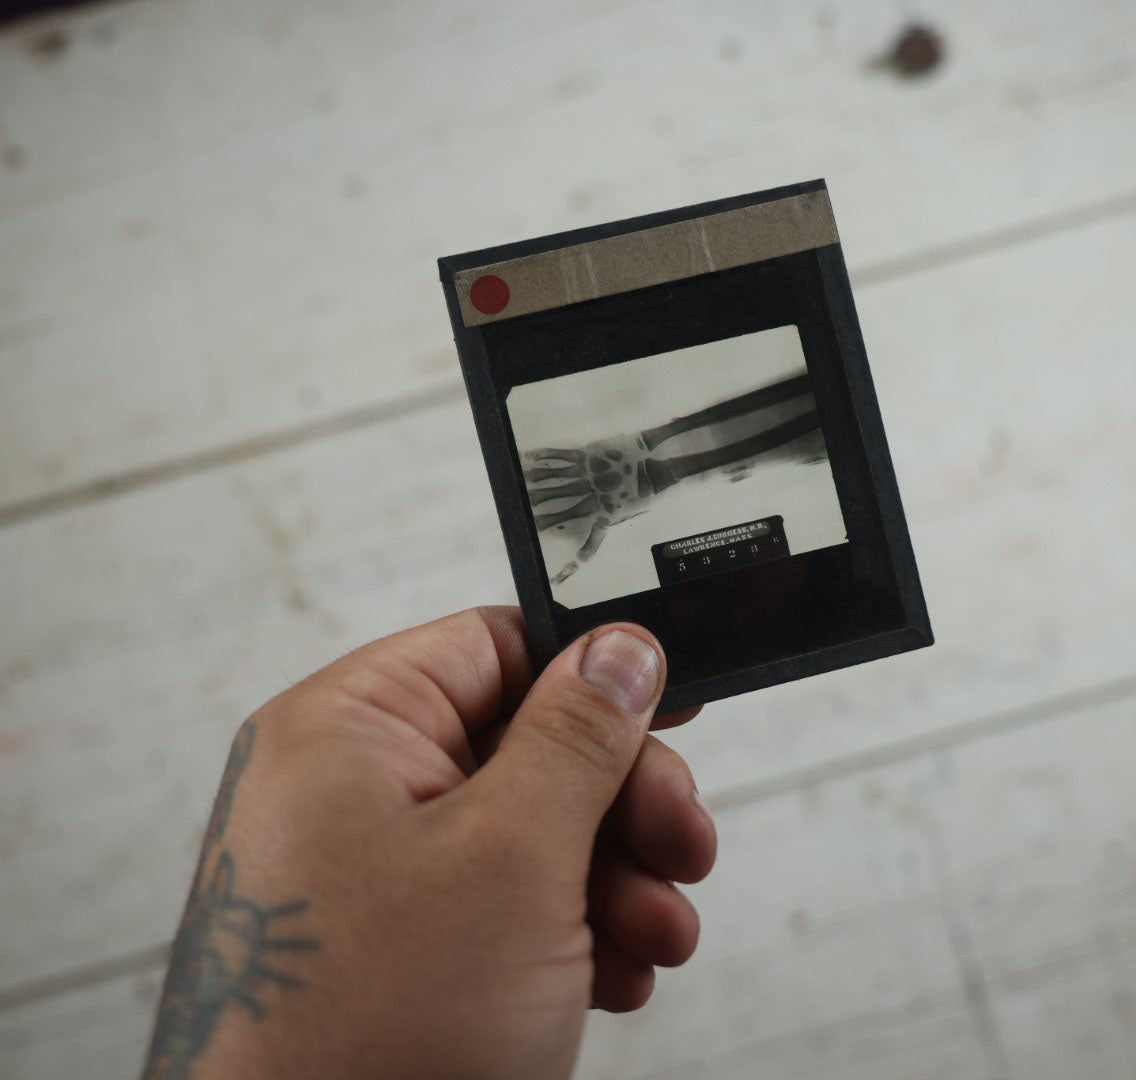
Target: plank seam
{"x":946,"y":738}
{"x":243,"y":450}
{"x":973,"y":979}
{"x":145,"y":959}
{"x":973,"y":247}
{"x":146,"y":476}
{"x":917,"y":1004}
{"x":135,"y":962}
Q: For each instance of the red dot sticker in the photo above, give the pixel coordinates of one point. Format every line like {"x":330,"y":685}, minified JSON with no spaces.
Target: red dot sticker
{"x":489,"y":294}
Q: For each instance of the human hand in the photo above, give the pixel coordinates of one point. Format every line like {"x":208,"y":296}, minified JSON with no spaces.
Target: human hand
{"x":420,"y":864}
{"x":584,"y":492}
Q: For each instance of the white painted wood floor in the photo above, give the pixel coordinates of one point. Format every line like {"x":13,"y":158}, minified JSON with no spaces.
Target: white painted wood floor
{"x":228,"y":398}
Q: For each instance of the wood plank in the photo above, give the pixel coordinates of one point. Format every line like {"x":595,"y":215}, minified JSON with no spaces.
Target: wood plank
{"x":218,"y":226}
{"x":956,"y":916}
{"x":148,"y":626}
{"x":962,"y":915}
{"x":99,"y":1031}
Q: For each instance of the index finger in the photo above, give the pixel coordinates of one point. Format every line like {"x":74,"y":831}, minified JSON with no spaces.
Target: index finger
{"x":475,"y":663}
{"x":676,"y":718}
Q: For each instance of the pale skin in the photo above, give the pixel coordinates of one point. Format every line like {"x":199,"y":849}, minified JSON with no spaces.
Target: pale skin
{"x":423,"y":864}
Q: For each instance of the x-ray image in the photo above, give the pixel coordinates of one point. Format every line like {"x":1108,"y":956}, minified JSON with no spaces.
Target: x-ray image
{"x":714,"y":451}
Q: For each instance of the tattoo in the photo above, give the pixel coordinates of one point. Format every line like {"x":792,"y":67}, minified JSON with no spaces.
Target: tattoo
{"x":219,"y":955}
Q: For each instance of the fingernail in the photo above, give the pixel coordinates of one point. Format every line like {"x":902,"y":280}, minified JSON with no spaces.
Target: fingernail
{"x":700,"y":802}
{"x":624,"y":667}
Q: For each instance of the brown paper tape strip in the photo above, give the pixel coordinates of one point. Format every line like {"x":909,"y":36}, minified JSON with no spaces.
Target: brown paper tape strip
{"x":636,"y":260}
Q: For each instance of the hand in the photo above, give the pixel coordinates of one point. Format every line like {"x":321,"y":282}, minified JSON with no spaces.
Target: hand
{"x":585,"y":492}
{"x":420,"y":864}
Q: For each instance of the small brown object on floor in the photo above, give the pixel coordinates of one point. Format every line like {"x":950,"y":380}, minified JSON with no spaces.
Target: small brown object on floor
{"x":49,"y":44}
{"x":917,"y":51}
{"x":13,"y":156}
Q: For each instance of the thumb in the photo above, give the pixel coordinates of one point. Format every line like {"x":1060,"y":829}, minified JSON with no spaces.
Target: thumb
{"x":575,"y":737}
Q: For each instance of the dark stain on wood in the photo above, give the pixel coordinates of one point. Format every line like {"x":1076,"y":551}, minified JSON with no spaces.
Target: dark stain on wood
{"x":917,"y":51}
{"x":50,"y":44}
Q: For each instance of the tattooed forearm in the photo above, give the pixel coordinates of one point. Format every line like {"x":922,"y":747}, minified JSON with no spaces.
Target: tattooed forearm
{"x":225,"y":946}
